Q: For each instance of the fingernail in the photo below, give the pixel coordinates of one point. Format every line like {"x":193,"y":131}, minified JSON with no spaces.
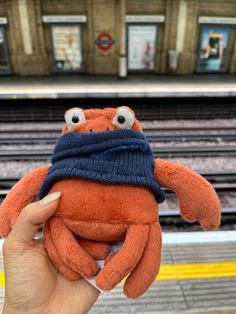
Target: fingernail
{"x":50,"y":198}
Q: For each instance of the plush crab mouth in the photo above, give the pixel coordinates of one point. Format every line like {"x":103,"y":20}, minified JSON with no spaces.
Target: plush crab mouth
{"x":97,"y":231}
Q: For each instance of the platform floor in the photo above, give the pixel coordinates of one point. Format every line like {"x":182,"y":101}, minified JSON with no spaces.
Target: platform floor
{"x":76,"y":86}
{"x":198,"y":275}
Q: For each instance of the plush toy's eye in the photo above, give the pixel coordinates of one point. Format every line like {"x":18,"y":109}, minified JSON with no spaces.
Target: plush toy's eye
{"x":123,"y":119}
{"x":74,"y":117}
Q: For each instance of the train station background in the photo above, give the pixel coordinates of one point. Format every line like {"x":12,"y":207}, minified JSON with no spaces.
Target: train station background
{"x":117,"y":37}
{"x":178,"y":61}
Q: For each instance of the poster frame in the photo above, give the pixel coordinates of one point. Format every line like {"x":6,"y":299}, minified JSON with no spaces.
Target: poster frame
{"x":226,"y":70}
{"x":54,"y":68}
{"x":6,"y":49}
{"x":141,"y":71}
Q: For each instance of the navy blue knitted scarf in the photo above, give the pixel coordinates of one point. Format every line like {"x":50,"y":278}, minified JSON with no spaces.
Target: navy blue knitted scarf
{"x":120,"y":156}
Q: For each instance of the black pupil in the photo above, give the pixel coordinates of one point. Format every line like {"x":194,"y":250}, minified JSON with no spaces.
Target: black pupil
{"x":121,"y":119}
{"x":75,"y":119}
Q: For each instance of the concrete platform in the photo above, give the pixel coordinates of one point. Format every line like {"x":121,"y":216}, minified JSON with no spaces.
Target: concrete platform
{"x":110,"y":86}
{"x":223,"y":310}
{"x":182,"y":296}
{"x":215,"y":294}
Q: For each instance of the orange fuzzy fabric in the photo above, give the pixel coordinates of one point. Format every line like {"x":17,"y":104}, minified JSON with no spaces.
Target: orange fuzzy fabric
{"x":198,"y":200}
{"x":23,"y":192}
{"x":91,"y":216}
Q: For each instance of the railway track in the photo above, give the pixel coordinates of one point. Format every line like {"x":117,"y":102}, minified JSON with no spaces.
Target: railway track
{"x":170,"y":218}
{"x":220,"y":187}
{"x":213,"y":177}
{"x":222,"y":182}
{"x":146,"y":128}
{"x":166,"y":216}
{"x":153,"y":138}
{"x":153,"y":108}
{"x":154,"y":134}
{"x":160,"y":152}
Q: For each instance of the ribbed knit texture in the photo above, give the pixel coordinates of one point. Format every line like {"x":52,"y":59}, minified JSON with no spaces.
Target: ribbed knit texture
{"x":120,"y":156}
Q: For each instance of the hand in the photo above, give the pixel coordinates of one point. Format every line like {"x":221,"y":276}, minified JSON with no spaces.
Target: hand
{"x":33,"y":285}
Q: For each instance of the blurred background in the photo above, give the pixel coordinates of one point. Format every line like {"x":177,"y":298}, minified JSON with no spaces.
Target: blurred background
{"x":174,"y":63}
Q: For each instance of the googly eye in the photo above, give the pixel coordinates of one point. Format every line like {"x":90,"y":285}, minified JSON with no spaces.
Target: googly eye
{"x":73,"y":117}
{"x":123,"y":119}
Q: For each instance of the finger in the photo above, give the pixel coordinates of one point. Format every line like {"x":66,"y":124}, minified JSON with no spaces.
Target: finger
{"x":32,"y":216}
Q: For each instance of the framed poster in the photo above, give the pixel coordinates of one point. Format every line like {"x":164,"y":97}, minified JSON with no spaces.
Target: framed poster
{"x":67,"y":48}
{"x":141,"y":47}
{"x":4,"y":62}
{"x":213,"y":48}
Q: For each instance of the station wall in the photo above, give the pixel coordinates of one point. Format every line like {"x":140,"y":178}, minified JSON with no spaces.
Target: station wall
{"x":117,"y":37}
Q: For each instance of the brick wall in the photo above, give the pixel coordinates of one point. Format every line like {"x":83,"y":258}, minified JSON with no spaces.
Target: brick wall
{"x":104,"y":16}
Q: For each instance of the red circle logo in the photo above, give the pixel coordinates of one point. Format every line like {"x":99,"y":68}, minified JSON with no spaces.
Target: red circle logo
{"x":104,"y":41}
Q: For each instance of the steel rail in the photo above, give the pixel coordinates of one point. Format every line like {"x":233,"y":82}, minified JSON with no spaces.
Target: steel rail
{"x":190,"y":128}
{"x":145,"y":128}
{"x":151,"y":138}
{"x":30,"y":131}
{"x":222,"y":181}
{"x":170,"y":217}
{"x":205,"y":151}
{"x":175,"y":212}
{"x":156,"y":138}
{"x":158,"y":152}
{"x":218,"y":188}
{"x":29,"y":140}
{"x":163,"y":213}
{"x":224,"y":176}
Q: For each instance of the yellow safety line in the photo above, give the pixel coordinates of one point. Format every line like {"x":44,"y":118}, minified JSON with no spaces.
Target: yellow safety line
{"x":2,"y":280}
{"x":186,"y":271}
{"x":197,"y":271}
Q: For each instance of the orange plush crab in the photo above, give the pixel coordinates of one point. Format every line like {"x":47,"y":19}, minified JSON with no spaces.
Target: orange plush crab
{"x":110,"y":186}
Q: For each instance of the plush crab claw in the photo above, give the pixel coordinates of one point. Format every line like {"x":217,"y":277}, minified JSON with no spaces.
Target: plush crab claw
{"x":23,"y":192}
{"x":197,"y":198}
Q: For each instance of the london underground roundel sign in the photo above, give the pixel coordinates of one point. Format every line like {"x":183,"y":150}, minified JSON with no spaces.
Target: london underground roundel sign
{"x":104,"y":41}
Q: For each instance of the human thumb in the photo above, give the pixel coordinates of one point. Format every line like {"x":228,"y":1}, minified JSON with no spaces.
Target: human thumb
{"x":32,"y":216}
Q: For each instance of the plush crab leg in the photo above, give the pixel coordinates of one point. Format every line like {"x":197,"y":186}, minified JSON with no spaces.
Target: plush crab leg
{"x":51,"y":249}
{"x":123,"y":262}
{"x":98,"y":250}
{"x":147,"y":268}
{"x":197,"y":198}
{"x":23,"y":193}
{"x":70,"y":251}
